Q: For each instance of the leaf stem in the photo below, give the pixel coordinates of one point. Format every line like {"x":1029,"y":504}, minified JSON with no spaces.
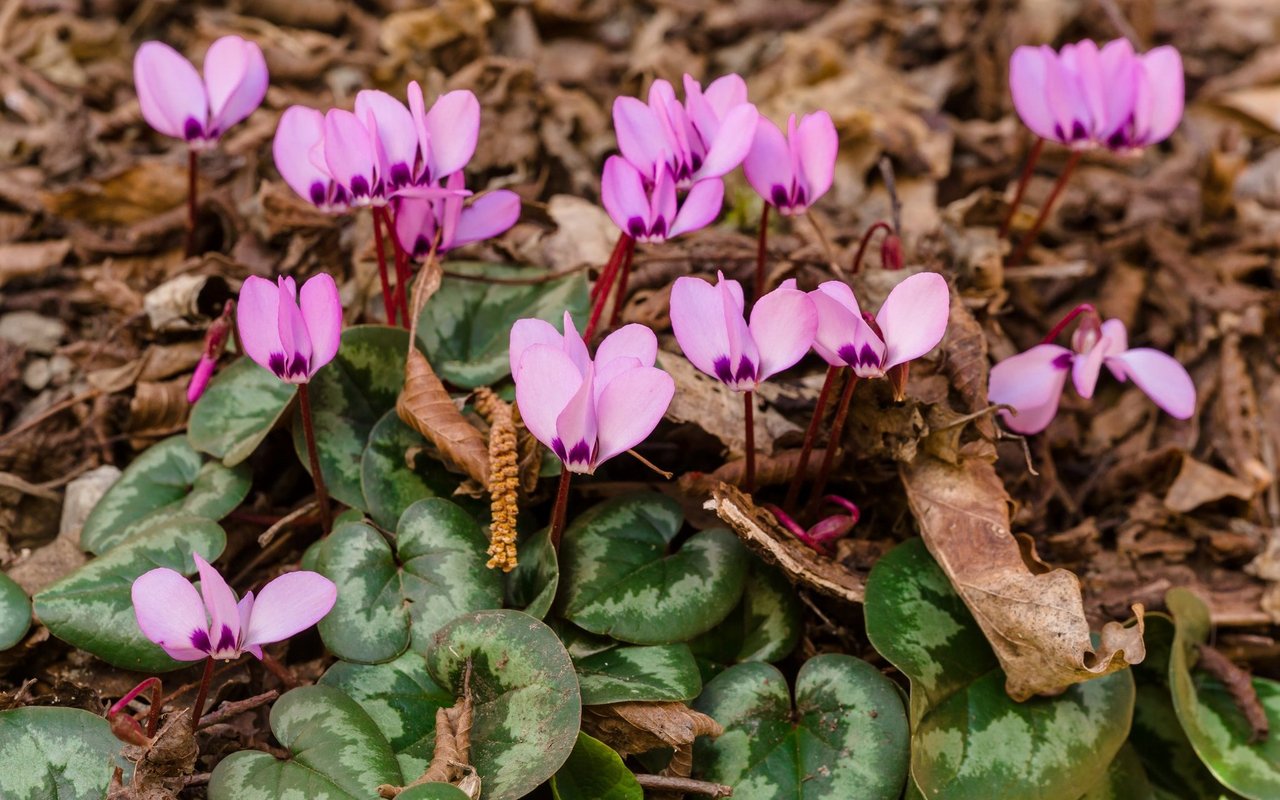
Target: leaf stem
{"x":1021,"y":252}
{"x":388,"y":300}
{"x":193,"y":201}
{"x":558,"y":512}
{"x":308,"y":430}
{"x":810,"y":437}
{"x":833,"y":442}
{"x":749,"y":423}
{"x":671,"y":783}
{"x":153,"y":713}
{"x":1027,"y":172}
{"x":762,"y":243}
{"x":197,"y":710}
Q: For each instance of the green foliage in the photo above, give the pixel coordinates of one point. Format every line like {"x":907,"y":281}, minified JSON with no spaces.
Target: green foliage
{"x":653,"y":673}
{"x":15,"y":612}
{"x":55,"y":754}
{"x":764,"y":626}
{"x":533,"y":583}
{"x":389,"y":482}
{"x":595,"y":772}
{"x":239,"y":408}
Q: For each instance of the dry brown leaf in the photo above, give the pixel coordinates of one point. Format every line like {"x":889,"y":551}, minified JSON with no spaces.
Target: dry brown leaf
{"x":1035,"y":623}
{"x":705,"y":402}
{"x":420,"y":29}
{"x":132,"y":195}
{"x":1198,"y":483}
{"x":770,"y":471}
{"x":28,"y":259}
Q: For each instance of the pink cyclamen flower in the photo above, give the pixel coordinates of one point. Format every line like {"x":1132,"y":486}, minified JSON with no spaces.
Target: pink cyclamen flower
{"x":826,"y":530}
{"x":291,"y":335}
{"x":200,"y":377}
{"x":178,"y":103}
{"x":173,"y":614}
{"x":653,"y":213}
{"x":791,"y":172}
{"x":910,"y":323}
{"x":704,"y":137}
{"x":1089,"y":97}
{"x":418,"y":219}
{"x":588,"y":410}
{"x":1032,"y":382}
{"x":709,"y":325}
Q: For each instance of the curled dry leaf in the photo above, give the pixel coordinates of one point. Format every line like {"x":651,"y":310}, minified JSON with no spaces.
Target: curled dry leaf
{"x":638,"y":727}
{"x":772,"y":470}
{"x":1198,"y":483}
{"x":703,"y":401}
{"x":451,"y":761}
{"x":1034,"y":622}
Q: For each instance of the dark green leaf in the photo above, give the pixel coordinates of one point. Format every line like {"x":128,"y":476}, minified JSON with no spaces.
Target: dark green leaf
{"x":595,"y":772}
{"x":55,"y":754}
{"x":433,"y":791}
{"x":653,"y":673}
{"x":15,"y":612}
{"x":396,"y":472}
{"x":236,"y":412}
{"x":532,"y":584}
{"x":765,"y":625}
{"x":1125,"y":780}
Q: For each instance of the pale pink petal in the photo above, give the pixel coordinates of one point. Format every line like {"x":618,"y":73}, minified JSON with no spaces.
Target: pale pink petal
{"x":622,"y":192}
{"x":1113,"y":331}
{"x":396,"y":134}
{"x":642,"y":139}
{"x":662,"y":212}
{"x":1163,"y":69}
{"x":1031,"y":383}
{"x":169,"y":610}
{"x":235,"y":74}
{"x":257,"y":311}
{"x":604,"y":373}
{"x":1091,"y":83}
{"x":295,"y":342}
{"x":1163,"y":379}
{"x":170,"y":92}
{"x":574,"y":346}
{"x":245,"y":607}
{"x":322,"y":313}
{"x":577,"y":427}
{"x":843,"y":294}
{"x":1120,"y":70}
{"x":547,"y":380}
{"x":634,"y":341}
{"x":527,"y":332}
{"x":1062,"y":94}
{"x":349,"y":154}
{"x":698,"y":323}
{"x":415,"y":225}
{"x":220,"y":601}
{"x":700,"y":208}
{"x":914,"y":317}
{"x":453,"y":128}
{"x":300,"y":130}
{"x":630,"y":407}
{"x":843,"y":338}
{"x":768,"y":164}
{"x":1086,"y":368}
{"x":731,"y":144}
{"x":489,"y":215}
{"x":291,"y":603}
{"x":783,"y":323}
{"x":817,"y":145}
{"x":1028,"y":73}
{"x":724,"y":93}
{"x":200,"y":378}
{"x":742,"y":370}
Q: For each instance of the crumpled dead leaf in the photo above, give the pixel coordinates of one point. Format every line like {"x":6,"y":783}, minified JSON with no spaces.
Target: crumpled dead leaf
{"x":451,"y":760}
{"x":705,"y":402}
{"x":1034,"y":622}
{"x":638,"y":727}
{"x":1198,"y":483}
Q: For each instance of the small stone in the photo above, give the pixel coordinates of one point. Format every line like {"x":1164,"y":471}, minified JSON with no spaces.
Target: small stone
{"x":32,"y":332}
{"x":82,"y":495}
{"x":37,"y":374}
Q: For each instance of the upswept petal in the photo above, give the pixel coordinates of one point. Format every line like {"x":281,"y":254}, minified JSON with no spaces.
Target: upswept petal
{"x":1120,"y":73}
{"x":630,"y":407}
{"x":1161,"y":377}
{"x":169,"y":609}
{"x":574,"y":346}
{"x":1167,"y":93}
{"x":914,"y":317}
{"x":322,"y":314}
{"x":1117,"y":336}
{"x":843,"y":294}
{"x":635,"y":341}
{"x":415,"y":225}
{"x":1085,"y":370}
{"x":235,"y":73}
{"x":299,"y":131}
{"x":742,"y":347}
{"x":453,"y":128}
{"x":526,"y":333}
{"x":548,"y":381}
{"x":170,"y":92}
{"x":724,"y":93}
{"x":490,"y":214}
{"x":768,"y":164}
{"x":842,"y":336}
{"x":700,"y":208}
{"x":642,"y":139}
{"x":1032,"y":383}
{"x":1062,"y":95}
{"x":731,"y":143}
{"x":291,"y":603}
{"x":701,"y":334}
{"x":622,"y":192}
{"x":817,"y":144}
{"x":396,"y":136}
{"x":1028,"y":72}
{"x":220,"y":601}
{"x":783,"y":323}
{"x":1091,"y":84}
{"x":349,"y":154}
{"x":577,"y":425}
{"x":257,"y":313}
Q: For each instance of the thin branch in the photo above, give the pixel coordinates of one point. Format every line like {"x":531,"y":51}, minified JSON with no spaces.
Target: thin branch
{"x":665,"y":783}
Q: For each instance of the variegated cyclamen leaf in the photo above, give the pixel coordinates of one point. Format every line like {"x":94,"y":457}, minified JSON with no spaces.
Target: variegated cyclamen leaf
{"x":1213,"y":723}
{"x":338,"y":753}
{"x":970,"y":740}
{"x":348,"y":397}
{"x":51,"y":753}
{"x":396,"y":472}
{"x":765,"y":625}
{"x":845,"y":737}
{"x":532,"y":585}
{"x":241,"y":405}
{"x":618,"y":579}
{"x":527,"y":709}
{"x":1125,"y":780}
{"x":168,"y":479}
{"x":388,"y":602}
{"x":595,"y":771}
{"x":92,"y":608}
{"x":433,"y":791}
{"x":15,"y":613}
{"x":647,"y":673}
{"x":466,"y":328}
{"x":401,"y":699}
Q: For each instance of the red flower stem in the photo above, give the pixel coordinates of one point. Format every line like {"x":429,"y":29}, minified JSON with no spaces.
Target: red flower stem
{"x":599,"y":286}
{"x":402,"y":267}
{"x":308,"y":429}
{"x":624,"y":272}
{"x":810,"y":437}
{"x":1083,"y":308}
{"x":761,"y":248}
{"x":197,"y":710}
{"x":1044,"y":211}
{"x":833,"y":443}
{"x":388,"y":300}
{"x":1027,"y":172}
{"x":749,"y":423}
{"x":153,"y":714}
{"x":600,"y":292}
{"x":558,"y":510}
{"x":193,"y":201}
{"x":866,"y":239}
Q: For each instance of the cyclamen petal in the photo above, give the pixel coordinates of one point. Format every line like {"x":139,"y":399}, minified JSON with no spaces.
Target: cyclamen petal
{"x":1032,"y":384}
{"x":527,"y":332}
{"x":170,"y":92}
{"x":491,"y":214}
{"x":220,"y":601}
{"x":349,"y":155}
{"x":914,"y":317}
{"x":169,"y":610}
{"x":235,"y":74}
{"x":546,"y":380}
{"x":1162,"y":378}
{"x":453,"y":129}
{"x":783,"y":324}
{"x":701,"y":333}
{"x":291,"y":341}
{"x":394,"y":136}
{"x":321,"y":310}
{"x":301,"y":130}
{"x":287,"y":605}
{"x":630,"y":407}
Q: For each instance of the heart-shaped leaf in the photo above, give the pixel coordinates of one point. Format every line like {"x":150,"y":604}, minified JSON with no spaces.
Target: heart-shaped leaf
{"x":466,"y":328}
{"x":388,"y":602}
{"x":348,"y":397}
{"x":618,"y":579}
{"x":92,"y":608}
{"x":168,"y":479}
{"x":653,"y":673}
{"x":15,"y":613}
{"x":239,"y":408}
{"x":396,"y":472}
{"x":595,"y":771}
{"x":969,"y":739}
{"x":338,"y":753}
{"x":1125,"y":780}
{"x":55,"y":754}
{"x":401,"y":699}
{"x":532,"y":584}
{"x":845,"y":737}
{"x":1213,"y":723}
{"x":527,"y":709}
{"x":764,"y":626}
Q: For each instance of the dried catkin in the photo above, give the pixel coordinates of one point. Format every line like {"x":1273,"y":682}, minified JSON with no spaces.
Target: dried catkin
{"x":504,"y":479}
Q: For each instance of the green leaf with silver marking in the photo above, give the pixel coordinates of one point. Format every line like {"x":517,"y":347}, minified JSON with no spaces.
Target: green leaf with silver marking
{"x":349,"y":396}
{"x":1126,"y":779}
{"x":168,"y":479}
{"x":618,"y":579}
{"x":845,"y":737}
{"x":433,"y":791}
{"x":970,"y":741}
{"x":92,"y":608}
{"x":396,"y":472}
{"x":241,"y":405}
{"x":338,"y":753}
{"x":532,"y":584}
{"x":15,"y":613}
{"x":466,"y":328}
{"x":387,"y":601}
{"x":51,"y":753}
{"x":401,"y":699}
{"x":653,"y":673}
{"x":1213,"y":723}
{"x":765,"y":626}
{"x":595,"y":771}
{"x":527,"y":710}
